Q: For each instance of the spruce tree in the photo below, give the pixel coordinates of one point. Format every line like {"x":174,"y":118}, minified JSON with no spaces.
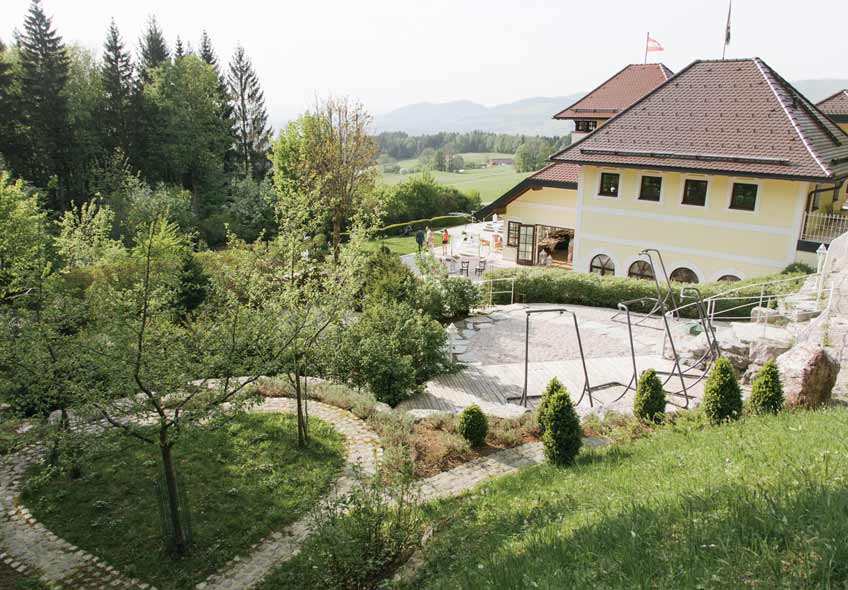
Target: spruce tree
{"x":44,"y":73}
{"x":117,"y":73}
{"x":154,"y":49}
{"x":208,"y":55}
{"x":253,"y":135}
{"x":8,"y":104}
{"x":179,"y":51}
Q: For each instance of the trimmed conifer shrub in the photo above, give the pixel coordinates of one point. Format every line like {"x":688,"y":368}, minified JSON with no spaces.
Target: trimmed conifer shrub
{"x":722,"y":394}
{"x":649,"y":403}
{"x":553,"y":385}
{"x":560,"y":425}
{"x":767,"y":390}
{"x":473,"y":425}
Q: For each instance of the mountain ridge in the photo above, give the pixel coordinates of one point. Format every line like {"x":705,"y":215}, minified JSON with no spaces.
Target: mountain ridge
{"x":526,"y":116}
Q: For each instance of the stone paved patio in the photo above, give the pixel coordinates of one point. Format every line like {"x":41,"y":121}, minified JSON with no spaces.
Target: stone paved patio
{"x":492,"y":347}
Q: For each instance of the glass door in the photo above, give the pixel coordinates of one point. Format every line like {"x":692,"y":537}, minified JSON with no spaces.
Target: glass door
{"x":526,"y":244}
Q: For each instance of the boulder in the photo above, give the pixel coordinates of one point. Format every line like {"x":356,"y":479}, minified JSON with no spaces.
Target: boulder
{"x":764,"y":350}
{"x":733,"y":349}
{"x":808,"y":373}
{"x":767,"y":315}
{"x":421,"y":413}
{"x":382,"y":407}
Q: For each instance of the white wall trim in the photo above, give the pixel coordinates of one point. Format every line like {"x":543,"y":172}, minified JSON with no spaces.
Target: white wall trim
{"x":691,"y":266}
{"x":766,"y":229}
{"x":800,"y":205}
{"x":518,"y":203}
{"x":578,"y":219}
{"x":729,"y":197}
{"x":682,"y":250}
{"x":728,"y":271}
{"x":615,"y":261}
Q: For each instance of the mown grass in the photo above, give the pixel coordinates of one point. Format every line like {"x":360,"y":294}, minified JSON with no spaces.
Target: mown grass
{"x":242,"y":481}
{"x":490,"y":182}
{"x":398,"y":245}
{"x":762,"y":503}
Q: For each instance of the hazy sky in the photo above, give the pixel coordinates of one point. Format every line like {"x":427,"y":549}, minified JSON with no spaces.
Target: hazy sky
{"x":390,"y":53}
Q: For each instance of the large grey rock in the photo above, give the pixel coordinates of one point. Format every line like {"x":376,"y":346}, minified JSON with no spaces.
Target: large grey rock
{"x":382,"y":407}
{"x":808,"y":373}
{"x":733,"y":349}
{"x":767,"y":315}
{"x":421,"y":413}
{"x":748,"y":332}
{"x":764,"y":350}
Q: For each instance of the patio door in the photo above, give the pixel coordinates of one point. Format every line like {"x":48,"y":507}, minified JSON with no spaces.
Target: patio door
{"x":526,"y":244}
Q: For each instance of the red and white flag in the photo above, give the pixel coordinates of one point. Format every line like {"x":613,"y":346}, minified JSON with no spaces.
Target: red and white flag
{"x":653,"y":45}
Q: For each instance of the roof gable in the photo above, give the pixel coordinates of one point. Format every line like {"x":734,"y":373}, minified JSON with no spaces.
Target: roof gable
{"x":835,"y":105}
{"x":730,"y":116}
{"x":618,"y":92}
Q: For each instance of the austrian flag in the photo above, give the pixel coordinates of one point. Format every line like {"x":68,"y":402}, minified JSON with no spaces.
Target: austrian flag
{"x":654,"y":45}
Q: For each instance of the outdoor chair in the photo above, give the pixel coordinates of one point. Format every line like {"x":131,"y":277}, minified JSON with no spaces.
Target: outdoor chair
{"x":481,"y":268}
{"x":463,"y":267}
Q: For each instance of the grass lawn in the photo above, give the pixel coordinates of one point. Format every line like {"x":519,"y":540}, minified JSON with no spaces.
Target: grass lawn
{"x":758,"y":504}
{"x":398,"y":244}
{"x":12,"y":580}
{"x":242,"y":481}
{"x":491,"y":182}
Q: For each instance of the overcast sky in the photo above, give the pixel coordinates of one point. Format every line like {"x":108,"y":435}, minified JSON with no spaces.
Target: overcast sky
{"x":390,"y":53}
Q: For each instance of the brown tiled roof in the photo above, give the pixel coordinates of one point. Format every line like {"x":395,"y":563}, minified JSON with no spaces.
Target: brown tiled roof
{"x":558,"y":172}
{"x":556,"y":175}
{"x":618,"y":93}
{"x":836,"y":106}
{"x":732,"y":116}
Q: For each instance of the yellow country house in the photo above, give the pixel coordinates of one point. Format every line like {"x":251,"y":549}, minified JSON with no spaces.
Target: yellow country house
{"x":724,"y":167}
{"x":836,"y":107}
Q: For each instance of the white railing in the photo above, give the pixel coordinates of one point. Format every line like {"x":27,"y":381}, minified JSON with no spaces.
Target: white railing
{"x":488,"y":287}
{"x":823,"y":227}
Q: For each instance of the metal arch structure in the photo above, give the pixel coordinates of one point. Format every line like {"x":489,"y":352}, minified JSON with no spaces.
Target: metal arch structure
{"x":662,"y":300}
{"x":660,"y":304}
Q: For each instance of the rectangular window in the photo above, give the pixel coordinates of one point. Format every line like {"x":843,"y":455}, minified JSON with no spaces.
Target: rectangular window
{"x":512,"y":233}
{"x":585,"y":126}
{"x":650,"y":188}
{"x":695,"y":192}
{"x":744,"y":196}
{"x":609,"y":184}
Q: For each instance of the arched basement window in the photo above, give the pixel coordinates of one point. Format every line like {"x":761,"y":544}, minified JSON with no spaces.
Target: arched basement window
{"x":602,"y":265}
{"x":641,"y":269}
{"x":729,"y":278}
{"x":683,"y":275}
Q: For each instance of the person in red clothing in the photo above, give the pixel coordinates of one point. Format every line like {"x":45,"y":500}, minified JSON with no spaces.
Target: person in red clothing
{"x":445,"y":240}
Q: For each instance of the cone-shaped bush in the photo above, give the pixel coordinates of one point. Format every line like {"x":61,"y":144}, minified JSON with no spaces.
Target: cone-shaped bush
{"x":649,"y":403}
{"x":559,"y":424}
{"x":722,"y":395}
{"x":473,"y":425}
{"x":553,"y":385}
{"x":767,"y":391}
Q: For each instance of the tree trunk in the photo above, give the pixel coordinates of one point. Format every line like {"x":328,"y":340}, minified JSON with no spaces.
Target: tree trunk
{"x":180,"y":545}
{"x":301,"y":429}
{"x":75,"y":469}
{"x":337,"y":235}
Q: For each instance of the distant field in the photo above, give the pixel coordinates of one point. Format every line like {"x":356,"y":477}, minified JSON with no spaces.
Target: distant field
{"x":491,"y":182}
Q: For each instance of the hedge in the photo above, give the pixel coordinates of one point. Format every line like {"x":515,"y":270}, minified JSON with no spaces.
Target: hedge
{"x":554,"y":285}
{"x":433,"y":222}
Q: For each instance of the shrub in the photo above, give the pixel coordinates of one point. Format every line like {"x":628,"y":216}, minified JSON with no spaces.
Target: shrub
{"x":553,"y":385}
{"x":767,"y":391}
{"x":391,"y":349}
{"x":361,"y":536}
{"x":459,"y":296}
{"x":798,"y":268}
{"x":722,"y":395}
{"x":649,"y":403}
{"x":560,"y":425}
{"x":473,"y":425}
{"x":553,"y":285}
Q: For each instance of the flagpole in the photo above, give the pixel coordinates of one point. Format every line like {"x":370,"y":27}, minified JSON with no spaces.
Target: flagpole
{"x":726,"y":30}
{"x":647,"y":37}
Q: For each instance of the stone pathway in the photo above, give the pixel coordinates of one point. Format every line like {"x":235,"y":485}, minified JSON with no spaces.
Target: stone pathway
{"x":500,"y":463}
{"x":30,"y":545}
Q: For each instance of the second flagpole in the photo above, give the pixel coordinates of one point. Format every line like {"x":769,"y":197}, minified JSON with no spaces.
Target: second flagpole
{"x":647,"y":38}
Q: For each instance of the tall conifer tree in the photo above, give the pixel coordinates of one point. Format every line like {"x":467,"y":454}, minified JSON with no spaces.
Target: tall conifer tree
{"x":117,"y":73}
{"x":253,"y":135}
{"x":207,"y":54}
{"x":8,"y":110}
{"x":154,"y":49}
{"x":44,"y":73}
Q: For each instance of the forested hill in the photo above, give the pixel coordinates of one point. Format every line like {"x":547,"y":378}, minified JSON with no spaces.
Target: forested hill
{"x":530,"y":116}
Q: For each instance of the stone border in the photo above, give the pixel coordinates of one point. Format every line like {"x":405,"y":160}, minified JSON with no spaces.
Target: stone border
{"x":30,"y":545}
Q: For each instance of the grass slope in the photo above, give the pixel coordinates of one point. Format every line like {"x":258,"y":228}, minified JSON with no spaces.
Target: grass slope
{"x":758,"y":504}
{"x":491,"y":182}
{"x":242,"y":481}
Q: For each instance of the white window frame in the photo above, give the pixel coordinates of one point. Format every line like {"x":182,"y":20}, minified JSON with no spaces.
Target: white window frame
{"x":683,"y":180}
{"x":662,"y":188}
{"x":753,"y":181}
{"x":598,"y":194}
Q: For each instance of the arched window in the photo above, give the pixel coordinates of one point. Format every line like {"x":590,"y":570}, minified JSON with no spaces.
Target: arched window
{"x":683,"y":275}
{"x":641,"y":269}
{"x":602,"y":265}
{"x":729,"y":278}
